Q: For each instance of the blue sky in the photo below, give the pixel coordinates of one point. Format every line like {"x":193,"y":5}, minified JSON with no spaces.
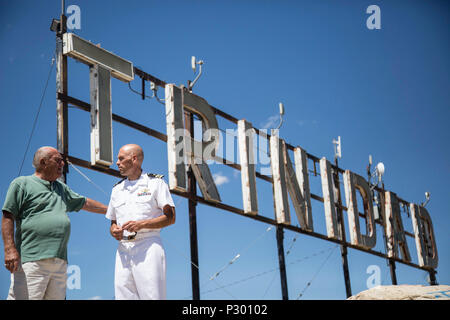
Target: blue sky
{"x":385,"y":92}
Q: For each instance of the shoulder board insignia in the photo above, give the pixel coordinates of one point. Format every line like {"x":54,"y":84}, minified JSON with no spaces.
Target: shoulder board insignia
{"x":155,"y":175}
{"x":118,"y":182}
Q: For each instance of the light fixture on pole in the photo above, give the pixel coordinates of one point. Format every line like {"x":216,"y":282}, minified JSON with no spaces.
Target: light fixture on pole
{"x":427,"y":197}
{"x":379,"y":172}
{"x":194,"y":64}
{"x":337,"y":148}
{"x":281,"y":106}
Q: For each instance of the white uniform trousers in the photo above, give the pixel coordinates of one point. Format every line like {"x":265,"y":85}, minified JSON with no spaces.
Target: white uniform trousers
{"x":140,"y":272}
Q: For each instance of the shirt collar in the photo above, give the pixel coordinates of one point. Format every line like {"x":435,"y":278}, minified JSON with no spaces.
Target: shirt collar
{"x":46,"y":183}
{"x":141,"y":181}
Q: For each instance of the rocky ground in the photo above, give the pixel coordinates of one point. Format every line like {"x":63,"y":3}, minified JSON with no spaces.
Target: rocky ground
{"x":404,"y":292}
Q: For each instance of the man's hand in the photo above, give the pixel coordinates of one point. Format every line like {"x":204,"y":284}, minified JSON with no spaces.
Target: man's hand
{"x":164,"y":220}
{"x":116,"y":231}
{"x":133,"y":226}
{"x":12,"y":259}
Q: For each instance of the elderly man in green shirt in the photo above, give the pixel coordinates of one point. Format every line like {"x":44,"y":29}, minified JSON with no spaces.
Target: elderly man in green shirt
{"x":38,"y":204}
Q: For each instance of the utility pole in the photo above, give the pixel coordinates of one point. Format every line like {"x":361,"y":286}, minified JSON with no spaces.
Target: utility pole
{"x":61,"y":88}
{"x":282,"y":263}
{"x":192,"y":190}
{"x":348,"y":287}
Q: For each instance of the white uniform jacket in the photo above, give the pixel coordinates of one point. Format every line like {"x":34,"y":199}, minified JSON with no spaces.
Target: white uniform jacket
{"x":139,"y":199}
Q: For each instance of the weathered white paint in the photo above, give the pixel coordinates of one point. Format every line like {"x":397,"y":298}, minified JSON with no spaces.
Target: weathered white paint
{"x":101,"y":116}
{"x":91,"y":54}
{"x":328,"y":199}
{"x":175,"y":139}
{"x":353,"y":182}
{"x":395,"y":233}
{"x":248,"y":172}
{"x":205,"y":181}
{"x":279,"y":180}
{"x":205,"y":149}
{"x":287,"y":181}
{"x":301,"y":170}
{"x":182,"y":148}
{"x":424,"y":236}
{"x":300,"y":204}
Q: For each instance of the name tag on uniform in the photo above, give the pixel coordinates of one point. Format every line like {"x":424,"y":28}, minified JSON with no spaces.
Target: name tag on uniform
{"x":144,"y":192}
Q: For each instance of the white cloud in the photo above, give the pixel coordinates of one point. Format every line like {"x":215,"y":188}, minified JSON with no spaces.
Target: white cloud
{"x":219,"y":179}
{"x":95,"y":298}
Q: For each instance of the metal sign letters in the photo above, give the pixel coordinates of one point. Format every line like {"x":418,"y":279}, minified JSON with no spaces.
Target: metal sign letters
{"x":187,"y":161}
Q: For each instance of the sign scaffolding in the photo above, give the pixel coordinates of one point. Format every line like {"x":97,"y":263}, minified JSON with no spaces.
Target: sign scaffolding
{"x":187,"y":167}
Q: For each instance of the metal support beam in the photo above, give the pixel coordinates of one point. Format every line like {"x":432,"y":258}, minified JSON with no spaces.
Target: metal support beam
{"x":282,"y":263}
{"x":192,"y":190}
{"x":63,"y":100}
{"x":433,"y":281}
{"x":391,"y":262}
{"x":340,"y":219}
{"x":392,"y":268}
{"x":61,"y":88}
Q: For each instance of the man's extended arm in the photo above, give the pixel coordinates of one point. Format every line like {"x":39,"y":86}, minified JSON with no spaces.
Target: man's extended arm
{"x":94,"y":206}
{"x":12,"y":257}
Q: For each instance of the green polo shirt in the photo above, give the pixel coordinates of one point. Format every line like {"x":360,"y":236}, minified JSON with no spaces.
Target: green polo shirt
{"x":40,"y":210}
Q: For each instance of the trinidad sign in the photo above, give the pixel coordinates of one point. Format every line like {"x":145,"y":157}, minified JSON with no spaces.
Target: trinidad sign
{"x":188,"y":160}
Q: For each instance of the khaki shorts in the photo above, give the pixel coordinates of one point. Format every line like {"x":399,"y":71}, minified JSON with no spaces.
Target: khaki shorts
{"x":39,"y":280}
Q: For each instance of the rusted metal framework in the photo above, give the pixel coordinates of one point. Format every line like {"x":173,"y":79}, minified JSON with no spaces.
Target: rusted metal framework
{"x":64,"y":100}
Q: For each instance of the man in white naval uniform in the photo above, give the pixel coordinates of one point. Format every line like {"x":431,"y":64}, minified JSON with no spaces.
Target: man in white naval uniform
{"x":140,"y":206}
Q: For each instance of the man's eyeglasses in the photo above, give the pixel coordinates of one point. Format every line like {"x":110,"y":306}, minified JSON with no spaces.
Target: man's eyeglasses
{"x":58,"y":160}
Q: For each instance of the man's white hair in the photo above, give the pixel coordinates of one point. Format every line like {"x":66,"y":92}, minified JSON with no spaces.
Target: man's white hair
{"x":41,"y":153}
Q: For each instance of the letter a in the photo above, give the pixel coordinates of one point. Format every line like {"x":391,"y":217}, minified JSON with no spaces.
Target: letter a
{"x":374,"y":21}
{"x":74,"y":21}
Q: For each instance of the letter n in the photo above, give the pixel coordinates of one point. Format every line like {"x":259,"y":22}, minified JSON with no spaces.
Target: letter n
{"x":286,"y":180}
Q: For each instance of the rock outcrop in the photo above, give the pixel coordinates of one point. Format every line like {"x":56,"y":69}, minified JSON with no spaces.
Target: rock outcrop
{"x":404,"y":292}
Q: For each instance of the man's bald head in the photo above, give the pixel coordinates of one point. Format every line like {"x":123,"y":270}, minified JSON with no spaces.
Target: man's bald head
{"x":135,"y":150}
{"x":129,"y":161}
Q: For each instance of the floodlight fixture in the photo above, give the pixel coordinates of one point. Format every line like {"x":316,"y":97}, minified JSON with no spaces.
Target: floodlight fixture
{"x":194,"y":64}
{"x":281,"y":107}
{"x":54,"y":26}
{"x":427,"y":197}
{"x":379,"y":172}
{"x":337,"y":148}
{"x":380,"y":169}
